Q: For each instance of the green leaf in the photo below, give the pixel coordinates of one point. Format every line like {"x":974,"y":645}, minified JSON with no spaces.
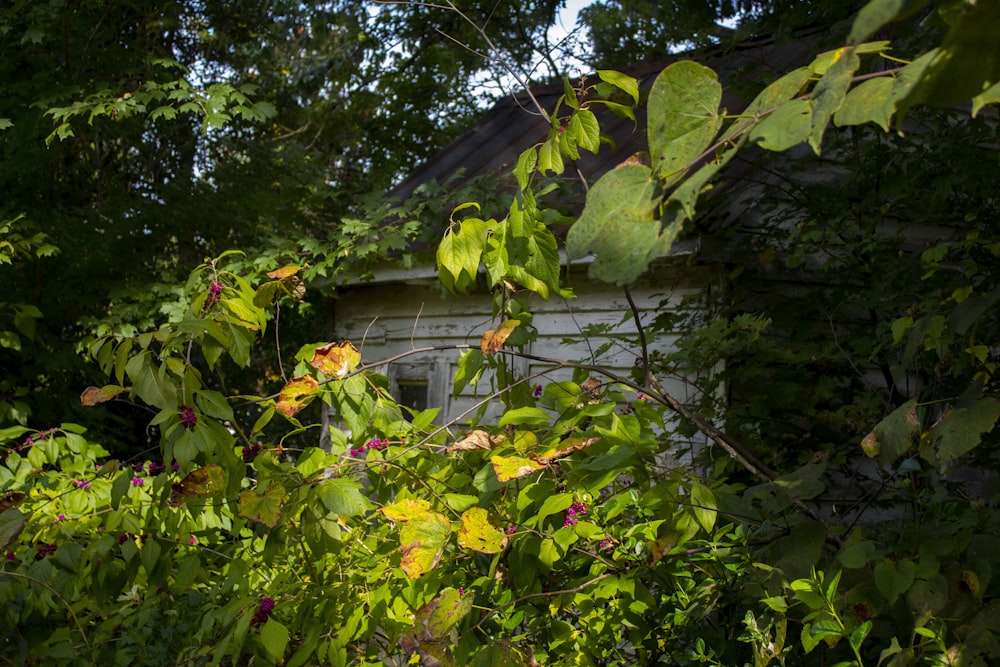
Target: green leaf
{"x":478,"y":534}
{"x":778,"y":92}
{"x":550,"y":157}
{"x":829,"y":93}
{"x":704,"y":506}
{"x":460,"y":252}
{"x":12,"y":522}
{"x":869,"y":102}
{"x":528,"y":415}
{"x":10,"y":340}
{"x":895,"y":435}
{"x":150,"y":382}
{"x":683,"y":111}
{"x":875,"y":15}
{"x":621,"y":81}
{"x":618,"y":224}
{"x":263,"y":507}
{"x":894,"y":579}
{"x":960,"y":430}
{"x":274,"y":637}
{"x":470,"y":367}
{"x":214,"y":404}
{"x":857,"y":555}
{"x":989,"y":96}
{"x":857,"y":636}
{"x":788,"y":125}
{"x":966,"y":64}
{"x":526,"y":163}
{"x":586,"y":129}
{"x":343,"y":497}
{"x":524,"y":251}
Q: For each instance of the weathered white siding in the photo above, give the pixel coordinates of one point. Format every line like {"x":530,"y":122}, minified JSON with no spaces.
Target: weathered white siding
{"x":411,"y":311}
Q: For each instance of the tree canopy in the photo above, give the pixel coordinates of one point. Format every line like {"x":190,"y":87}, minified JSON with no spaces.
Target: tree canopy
{"x":178,"y":206}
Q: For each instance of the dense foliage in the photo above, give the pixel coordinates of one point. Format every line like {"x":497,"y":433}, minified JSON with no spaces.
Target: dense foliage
{"x":850,"y":353}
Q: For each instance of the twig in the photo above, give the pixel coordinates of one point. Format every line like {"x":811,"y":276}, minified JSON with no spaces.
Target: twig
{"x":277,"y":341}
{"x":18,"y":575}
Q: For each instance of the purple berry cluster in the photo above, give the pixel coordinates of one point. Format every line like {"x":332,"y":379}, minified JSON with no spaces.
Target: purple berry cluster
{"x":44,"y":550}
{"x":214,"y":294}
{"x":188,"y":418}
{"x":263,"y":612}
{"x":377,"y":444}
{"x":575,"y":510}
{"x":250,"y":453}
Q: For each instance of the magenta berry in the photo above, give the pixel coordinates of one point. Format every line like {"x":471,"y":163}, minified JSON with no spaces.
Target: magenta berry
{"x":188,"y":418}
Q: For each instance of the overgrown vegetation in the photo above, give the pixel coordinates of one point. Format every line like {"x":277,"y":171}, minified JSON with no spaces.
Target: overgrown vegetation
{"x":848,"y":367}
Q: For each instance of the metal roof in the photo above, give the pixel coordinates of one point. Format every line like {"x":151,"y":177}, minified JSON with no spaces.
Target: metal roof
{"x":493,"y":144}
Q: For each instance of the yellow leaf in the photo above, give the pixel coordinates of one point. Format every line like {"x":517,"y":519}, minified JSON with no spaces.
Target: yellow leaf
{"x":284,"y":272}
{"x":422,"y":542}
{"x":478,"y":534}
{"x":404,"y":510}
{"x":336,"y":360}
{"x":296,"y":395}
{"x":514,"y":467}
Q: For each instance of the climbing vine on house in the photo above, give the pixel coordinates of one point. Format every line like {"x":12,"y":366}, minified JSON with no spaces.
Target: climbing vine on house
{"x":555,"y":535}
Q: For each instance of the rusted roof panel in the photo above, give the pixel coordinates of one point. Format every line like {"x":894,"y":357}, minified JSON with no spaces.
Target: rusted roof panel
{"x":493,"y":144}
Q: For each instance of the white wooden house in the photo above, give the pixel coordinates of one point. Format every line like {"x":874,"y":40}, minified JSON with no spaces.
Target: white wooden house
{"x":399,"y":310}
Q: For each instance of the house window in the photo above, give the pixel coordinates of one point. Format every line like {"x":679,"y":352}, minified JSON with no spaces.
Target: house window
{"x":412,"y":394}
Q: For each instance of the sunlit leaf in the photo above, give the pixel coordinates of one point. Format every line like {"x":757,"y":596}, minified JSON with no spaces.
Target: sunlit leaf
{"x":618,"y":224}
{"x":263,"y":507}
{"x":870,"y":101}
{"x":460,"y":251}
{"x":828,"y":95}
{"x":343,"y":497}
{"x":436,"y":619}
{"x":788,"y":125}
{"x":508,"y":468}
{"x":422,"y":541}
{"x":684,"y":116}
{"x":405,"y":510}
{"x":704,"y":505}
{"x":494,"y":339}
{"x":95,"y":395}
{"x":336,"y":360}
{"x":296,"y":395}
{"x":205,"y":482}
{"x":284,"y":272}
{"x":478,"y":534}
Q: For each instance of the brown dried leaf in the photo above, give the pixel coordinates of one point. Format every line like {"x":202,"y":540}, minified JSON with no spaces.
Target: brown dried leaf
{"x":568,"y":446}
{"x":204,"y":482}
{"x":92,"y":396}
{"x":474,"y":440}
{"x":494,"y":339}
